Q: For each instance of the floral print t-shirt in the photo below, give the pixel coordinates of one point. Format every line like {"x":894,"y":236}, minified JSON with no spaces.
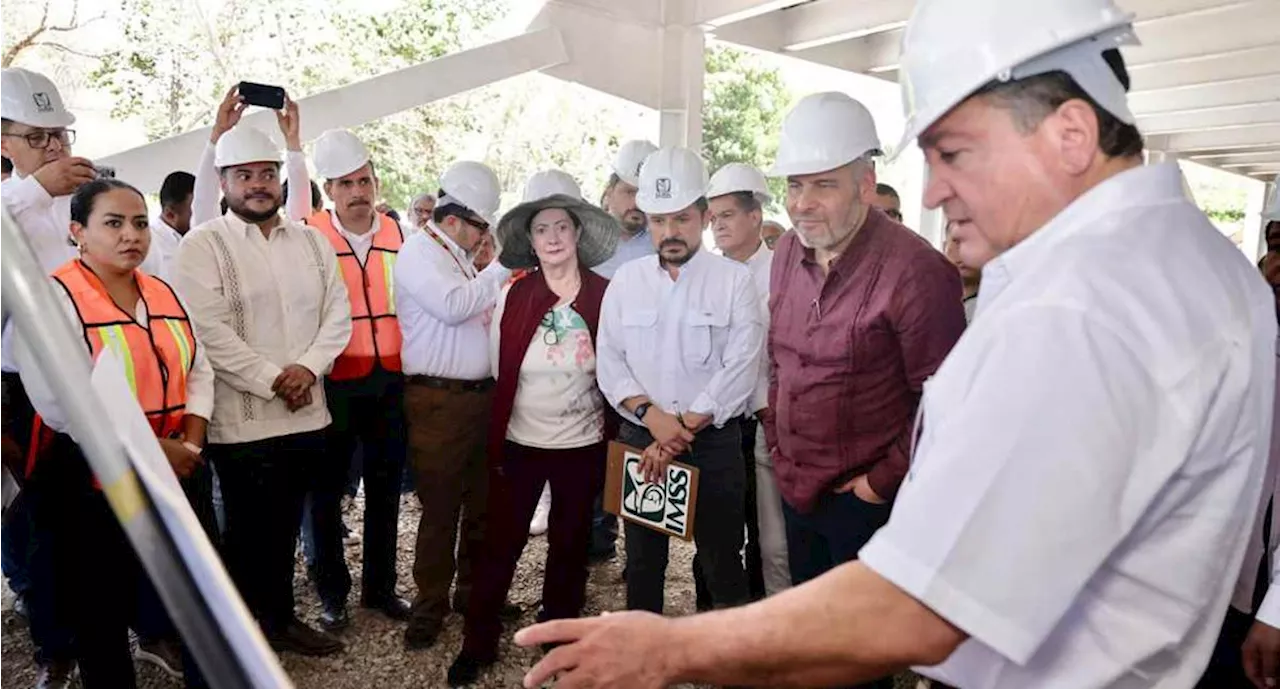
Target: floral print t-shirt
{"x":557,"y":403}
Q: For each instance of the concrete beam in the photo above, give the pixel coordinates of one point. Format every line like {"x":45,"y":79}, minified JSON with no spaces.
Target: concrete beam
{"x":361,"y":102}
{"x":715,"y":13}
{"x":1220,"y":158}
{"x":1223,"y":29}
{"x":606,"y":53}
{"x":1238,"y":64}
{"x":1255,"y":137}
{"x":1257,"y":90}
{"x":1210,"y":118}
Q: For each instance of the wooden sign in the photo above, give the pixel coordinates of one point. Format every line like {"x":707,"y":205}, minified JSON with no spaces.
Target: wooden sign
{"x":668,"y":507}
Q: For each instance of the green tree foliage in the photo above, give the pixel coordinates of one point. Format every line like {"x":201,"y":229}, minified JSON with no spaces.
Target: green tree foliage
{"x":744,"y":102}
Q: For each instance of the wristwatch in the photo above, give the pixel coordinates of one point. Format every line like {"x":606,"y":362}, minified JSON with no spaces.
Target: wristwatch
{"x":194,"y":448}
{"x":642,"y":409}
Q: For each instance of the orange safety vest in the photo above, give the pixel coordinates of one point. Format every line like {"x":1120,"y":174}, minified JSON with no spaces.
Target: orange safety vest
{"x":375,"y":331}
{"x":157,"y":358}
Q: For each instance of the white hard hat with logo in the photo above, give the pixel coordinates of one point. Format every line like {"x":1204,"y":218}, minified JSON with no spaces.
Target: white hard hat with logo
{"x":474,"y":186}
{"x":32,"y":99}
{"x":736,"y":177}
{"x":549,"y":183}
{"x":245,"y":144}
{"x":671,"y":179}
{"x":631,"y":155}
{"x":952,"y":48}
{"x":339,"y":153}
{"x":822,"y":132}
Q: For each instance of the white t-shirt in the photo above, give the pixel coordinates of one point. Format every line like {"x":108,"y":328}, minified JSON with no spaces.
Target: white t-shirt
{"x":557,"y":403}
{"x":1091,"y":452}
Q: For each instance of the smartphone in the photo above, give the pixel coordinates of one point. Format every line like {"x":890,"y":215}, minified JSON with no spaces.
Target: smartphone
{"x":104,"y":171}
{"x":262,"y":95}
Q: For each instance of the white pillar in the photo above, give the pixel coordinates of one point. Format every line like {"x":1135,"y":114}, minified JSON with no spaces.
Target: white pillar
{"x":683,"y":73}
{"x":1254,"y":242}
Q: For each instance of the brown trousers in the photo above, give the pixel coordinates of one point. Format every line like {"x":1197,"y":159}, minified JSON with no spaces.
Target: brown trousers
{"x":448,"y":430}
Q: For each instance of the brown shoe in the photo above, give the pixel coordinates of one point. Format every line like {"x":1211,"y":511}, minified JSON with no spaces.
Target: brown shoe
{"x":297,"y":637}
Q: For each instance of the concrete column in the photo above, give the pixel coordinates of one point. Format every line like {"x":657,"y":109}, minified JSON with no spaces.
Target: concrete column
{"x":683,"y":72}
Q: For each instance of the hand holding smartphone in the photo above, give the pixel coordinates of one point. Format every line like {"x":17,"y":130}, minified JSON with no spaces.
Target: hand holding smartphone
{"x":263,"y":95}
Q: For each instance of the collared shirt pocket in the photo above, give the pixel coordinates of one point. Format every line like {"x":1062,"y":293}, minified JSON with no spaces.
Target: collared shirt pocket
{"x":701,"y":332}
{"x":640,"y":331}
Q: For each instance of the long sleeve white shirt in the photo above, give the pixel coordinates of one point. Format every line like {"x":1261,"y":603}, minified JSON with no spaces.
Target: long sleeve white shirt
{"x":1091,"y":451}
{"x":259,"y":305}
{"x":164,"y":247}
{"x":692,"y":344}
{"x":761,"y":266}
{"x":444,"y":307}
{"x":46,"y":222}
{"x":206,"y":197}
{"x":199,"y":379}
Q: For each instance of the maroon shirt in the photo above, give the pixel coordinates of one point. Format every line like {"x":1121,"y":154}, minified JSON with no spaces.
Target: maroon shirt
{"x":849,"y":353}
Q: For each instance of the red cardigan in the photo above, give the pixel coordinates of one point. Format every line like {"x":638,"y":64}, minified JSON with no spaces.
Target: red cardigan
{"x":528,"y":300}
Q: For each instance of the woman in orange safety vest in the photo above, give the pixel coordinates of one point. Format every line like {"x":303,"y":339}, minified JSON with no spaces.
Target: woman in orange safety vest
{"x":86,"y":578}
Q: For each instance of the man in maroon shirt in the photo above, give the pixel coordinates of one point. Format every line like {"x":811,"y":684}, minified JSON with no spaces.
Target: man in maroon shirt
{"x":863,"y":312}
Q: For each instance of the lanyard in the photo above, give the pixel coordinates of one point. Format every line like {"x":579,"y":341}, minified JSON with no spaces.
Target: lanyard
{"x":431,"y":232}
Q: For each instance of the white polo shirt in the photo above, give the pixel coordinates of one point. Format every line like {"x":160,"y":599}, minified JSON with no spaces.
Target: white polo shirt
{"x":444,"y":307}
{"x":1092,"y":450}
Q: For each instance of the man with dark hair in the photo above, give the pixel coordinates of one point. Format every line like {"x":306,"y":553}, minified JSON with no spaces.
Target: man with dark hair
{"x":6,"y":168}
{"x":1090,"y":457}
{"x":886,"y":199}
{"x":173,"y":222}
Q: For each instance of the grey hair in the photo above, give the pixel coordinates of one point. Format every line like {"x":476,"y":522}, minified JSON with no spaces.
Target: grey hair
{"x":419,"y":197}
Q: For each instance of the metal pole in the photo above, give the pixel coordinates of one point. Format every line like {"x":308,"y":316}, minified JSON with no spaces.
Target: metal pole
{"x":28,"y":300}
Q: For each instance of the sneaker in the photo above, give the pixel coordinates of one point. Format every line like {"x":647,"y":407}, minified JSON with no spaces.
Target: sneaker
{"x":297,"y":637}
{"x":543,"y":514}
{"x":55,"y":675}
{"x":165,"y":654}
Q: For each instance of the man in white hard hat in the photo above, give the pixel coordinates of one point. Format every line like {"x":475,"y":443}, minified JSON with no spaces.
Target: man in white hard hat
{"x":678,"y":356}
{"x":619,"y":200}
{"x":297,"y":205}
{"x":35,"y":138}
{"x":269,"y":306}
{"x":365,"y":389}
{"x":736,"y":197}
{"x":444,"y":306}
{"x":1090,"y":454}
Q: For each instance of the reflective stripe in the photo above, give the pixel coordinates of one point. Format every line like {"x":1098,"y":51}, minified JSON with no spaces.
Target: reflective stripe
{"x":114,"y":338}
{"x":389,"y":278}
{"x":184,"y":346}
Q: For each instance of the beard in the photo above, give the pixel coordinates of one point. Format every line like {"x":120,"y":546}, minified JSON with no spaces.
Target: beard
{"x":678,"y":260}
{"x":633,"y":221}
{"x":241,"y":208}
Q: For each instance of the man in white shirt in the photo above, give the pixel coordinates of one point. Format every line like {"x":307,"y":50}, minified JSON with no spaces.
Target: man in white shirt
{"x":736,"y":197}
{"x":444,"y":308}
{"x":35,"y":138}
{"x":204,"y":199}
{"x":634,"y":242}
{"x":365,"y":390}
{"x":173,"y":222}
{"x":1092,"y":450}
{"x":678,"y":354}
{"x":421,"y":209}
{"x":269,"y":306}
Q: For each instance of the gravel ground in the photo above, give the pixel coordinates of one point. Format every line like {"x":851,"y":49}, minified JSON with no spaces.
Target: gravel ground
{"x":375,"y":654}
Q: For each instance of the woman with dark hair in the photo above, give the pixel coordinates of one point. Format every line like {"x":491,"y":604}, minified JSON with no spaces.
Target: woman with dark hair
{"x":85,"y":572}
{"x":549,"y":418}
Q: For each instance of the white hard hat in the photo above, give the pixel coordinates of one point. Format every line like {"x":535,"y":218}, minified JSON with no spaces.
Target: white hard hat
{"x":736,"y":177}
{"x":339,"y":153}
{"x":32,"y":99}
{"x":671,"y":179}
{"x":631,"y":155}
{"x":823,"y":132}
{"x":951,"y":48}
{"x":549,"y":183}
{"x":474,"y":186}
{"x":1272,"y":214}
{"x":245,"y":144}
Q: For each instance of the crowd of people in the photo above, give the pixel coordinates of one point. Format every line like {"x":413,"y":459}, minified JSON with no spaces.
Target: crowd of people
{"x":1051,"y":482}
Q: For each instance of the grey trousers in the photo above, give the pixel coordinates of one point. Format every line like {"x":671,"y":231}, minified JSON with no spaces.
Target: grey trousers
{"x":773,"y":530}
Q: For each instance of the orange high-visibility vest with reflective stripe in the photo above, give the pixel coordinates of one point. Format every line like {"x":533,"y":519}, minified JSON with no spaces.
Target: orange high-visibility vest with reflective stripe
{"x":157,"y":358}
{"x":375,"y":331}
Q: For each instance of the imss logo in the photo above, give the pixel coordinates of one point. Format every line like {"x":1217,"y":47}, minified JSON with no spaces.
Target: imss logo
{"x":664,"y":506}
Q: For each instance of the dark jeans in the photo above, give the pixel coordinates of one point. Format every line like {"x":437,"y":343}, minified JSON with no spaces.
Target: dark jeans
{"x":717,"y":527}
{"x":369,"y":414}
{"x":831,"y":535}
{"x":576,"y":476}
{"x":263,"y":484}
{"x":755,"y":568}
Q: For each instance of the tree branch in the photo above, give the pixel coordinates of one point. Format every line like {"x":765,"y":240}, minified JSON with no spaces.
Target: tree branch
{"x":58,"y":46}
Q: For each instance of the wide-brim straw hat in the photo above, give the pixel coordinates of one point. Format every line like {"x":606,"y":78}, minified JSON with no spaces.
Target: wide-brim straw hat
{"x":597,"y":236}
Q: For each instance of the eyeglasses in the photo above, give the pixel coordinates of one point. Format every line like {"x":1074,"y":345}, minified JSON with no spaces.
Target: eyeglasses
{"x":40,"y":138}
{"x":550,"y":336}
{"x":478,"y":224}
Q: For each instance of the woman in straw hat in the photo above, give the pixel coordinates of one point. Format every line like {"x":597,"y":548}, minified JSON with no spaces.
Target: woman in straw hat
{"x":549,"y":418}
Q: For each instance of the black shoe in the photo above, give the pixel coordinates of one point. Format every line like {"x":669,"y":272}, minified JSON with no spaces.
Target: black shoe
{"x":334,"y":617}
{"x":297,"y":637}
{"x":597,"y":557}
{"x":466,"y":669}
{"x":55,"y":675}
{"x":421,"y":635}
{"x":394,"y":607}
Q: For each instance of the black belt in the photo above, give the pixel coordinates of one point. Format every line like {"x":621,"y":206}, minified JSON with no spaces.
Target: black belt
{"x":451,"y":383}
